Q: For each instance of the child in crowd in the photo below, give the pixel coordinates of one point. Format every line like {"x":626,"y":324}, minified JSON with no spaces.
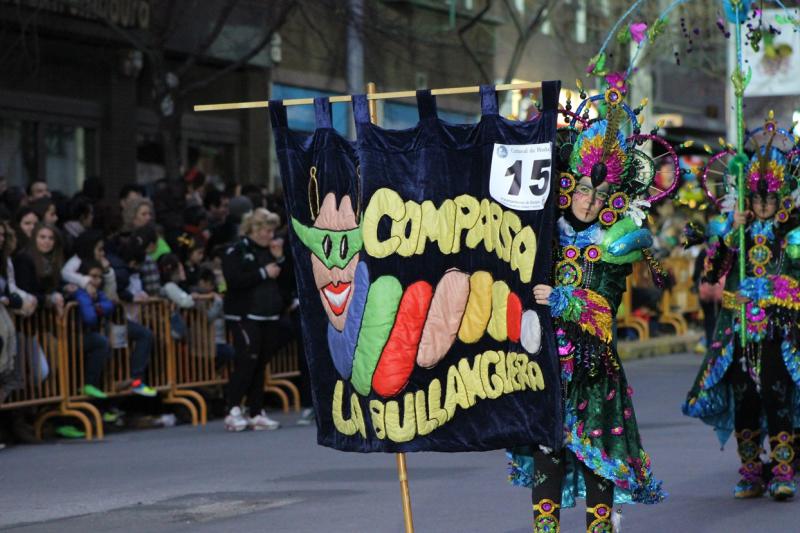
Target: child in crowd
{"x":129,"y":256}
{"x":207,"y":284}
{"x":172,"y":276}
{"x":90,"y":245}
{"x":193,"y":254}
{"x":93,"y":305}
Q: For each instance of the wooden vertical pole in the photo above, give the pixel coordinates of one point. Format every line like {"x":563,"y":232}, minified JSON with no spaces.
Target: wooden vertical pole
{"x":405,"y":495}
{"x":402,"y":472}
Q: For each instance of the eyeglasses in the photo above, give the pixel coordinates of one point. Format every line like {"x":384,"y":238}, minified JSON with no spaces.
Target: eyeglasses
{"x":599,"y":196}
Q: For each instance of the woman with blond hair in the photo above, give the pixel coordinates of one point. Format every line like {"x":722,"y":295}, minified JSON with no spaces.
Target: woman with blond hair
{"x":253,"y":307}
{"x":137,"y":213}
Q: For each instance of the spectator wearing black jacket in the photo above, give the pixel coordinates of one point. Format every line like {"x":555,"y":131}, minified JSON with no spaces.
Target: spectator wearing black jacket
{"x":253,"y":307}
{"x":38,"y":267}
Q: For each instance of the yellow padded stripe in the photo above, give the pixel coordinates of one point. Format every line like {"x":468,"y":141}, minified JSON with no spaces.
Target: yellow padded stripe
{"x":479,"y":308}
{"x":498,"y":321}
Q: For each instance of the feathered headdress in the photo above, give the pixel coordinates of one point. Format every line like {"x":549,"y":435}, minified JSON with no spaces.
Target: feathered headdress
{"x":601,"y":150}
{"x":771,"y":169}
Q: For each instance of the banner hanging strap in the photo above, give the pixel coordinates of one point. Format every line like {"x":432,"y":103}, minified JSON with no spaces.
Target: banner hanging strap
{"x":361,"y":109}
{"x":488,"y":100}
{"x":322,"y":112}
{"x":550,"y":92}
{"x":277,"y":114}
{"x":426,"y":104}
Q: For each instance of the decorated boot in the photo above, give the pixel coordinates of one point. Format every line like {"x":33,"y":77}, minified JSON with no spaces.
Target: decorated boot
{"x":749,"y":447}
{"x":545,"y":517}
{"x":796,"y":447}
{"x":782,"y":485}
{"x":598,"y":519}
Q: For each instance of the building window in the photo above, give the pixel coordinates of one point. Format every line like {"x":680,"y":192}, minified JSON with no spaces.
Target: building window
{"x":18,"y":161}
{"x":547,"y":27}
{"x":63,"y":155}
{"x":68,"y":153}
{"x":580,"y":22}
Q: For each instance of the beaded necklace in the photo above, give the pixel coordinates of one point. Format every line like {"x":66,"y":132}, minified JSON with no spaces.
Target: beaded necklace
{"x":578,"y":252}
{"x":760,"y":253}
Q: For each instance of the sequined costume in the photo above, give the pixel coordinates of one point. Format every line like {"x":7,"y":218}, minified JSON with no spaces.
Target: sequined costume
{"x":752,"y":390}
{"x":603,"y":459}
{"x":600,"y":425}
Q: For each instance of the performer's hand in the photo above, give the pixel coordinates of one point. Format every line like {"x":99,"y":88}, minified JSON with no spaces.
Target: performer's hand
{"x":740,"y":218}
{"x":541,"y":293}
{"x":740,"y":299}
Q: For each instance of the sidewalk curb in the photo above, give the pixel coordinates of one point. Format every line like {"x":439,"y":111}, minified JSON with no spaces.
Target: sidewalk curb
{"x":658,"y":347}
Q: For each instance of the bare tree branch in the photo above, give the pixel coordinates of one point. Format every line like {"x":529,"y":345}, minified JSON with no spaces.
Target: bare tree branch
{"x":462,"y":37}
{"x":203,"y":46}
{"x":280,"y":20}
{"x":169,"y":26}
{"x":524,"y":36}
{"x":316,"y":29}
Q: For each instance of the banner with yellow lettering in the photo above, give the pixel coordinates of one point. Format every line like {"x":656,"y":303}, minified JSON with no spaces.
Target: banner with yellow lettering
{"x":415,"y":254}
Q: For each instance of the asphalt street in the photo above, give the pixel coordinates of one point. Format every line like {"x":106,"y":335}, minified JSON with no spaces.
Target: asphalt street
{"x":187,"y":479}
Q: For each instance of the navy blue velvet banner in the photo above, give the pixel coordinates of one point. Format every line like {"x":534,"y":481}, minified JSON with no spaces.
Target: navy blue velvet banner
{"x":416,"y":252}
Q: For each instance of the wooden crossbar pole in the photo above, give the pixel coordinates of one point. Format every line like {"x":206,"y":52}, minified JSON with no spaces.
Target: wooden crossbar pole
{"x":373,"y":96}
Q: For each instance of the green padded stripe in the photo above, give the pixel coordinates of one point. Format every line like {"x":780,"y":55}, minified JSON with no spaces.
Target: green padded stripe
{"x":379,"y":314}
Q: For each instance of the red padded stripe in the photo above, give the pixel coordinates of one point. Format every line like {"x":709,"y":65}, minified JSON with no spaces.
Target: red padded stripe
{"x":513,"y":316}
{"x":400,"y":353}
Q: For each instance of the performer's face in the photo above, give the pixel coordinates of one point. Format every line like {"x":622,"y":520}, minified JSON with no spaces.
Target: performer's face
{"x":587,"y":201}
{"x":765,"y":208}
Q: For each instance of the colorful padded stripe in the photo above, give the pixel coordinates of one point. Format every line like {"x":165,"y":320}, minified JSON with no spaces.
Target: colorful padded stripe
{"x":397,"y":360}
{"x":379,"y":316}
{"x":513,"y":316}
{"x":498,"y":328}
{"x":479,"y":308}
{"x":444,"y":318}
{"x":342,"y":344}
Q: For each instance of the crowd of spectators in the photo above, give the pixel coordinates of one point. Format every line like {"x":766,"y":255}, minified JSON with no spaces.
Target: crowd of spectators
{"x":182,"y":240}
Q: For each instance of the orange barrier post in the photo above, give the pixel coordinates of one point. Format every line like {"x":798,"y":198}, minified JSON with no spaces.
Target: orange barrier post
{"x":73,"y":356}
{"x":628,"y":319}
{"x":679,"y":267}
{"x":195,"y":355}
{"x":285,"y":364}
{"x":155,"y":315}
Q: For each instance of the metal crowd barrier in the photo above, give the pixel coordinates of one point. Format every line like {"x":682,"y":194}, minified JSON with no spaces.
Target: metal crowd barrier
{"x":43,"y":373}
{"x":680,"y":299}
{"x":196,"y":364}
{"x":674,"y":303}
{"x":153,"y":314}
{"x":51,"y":366}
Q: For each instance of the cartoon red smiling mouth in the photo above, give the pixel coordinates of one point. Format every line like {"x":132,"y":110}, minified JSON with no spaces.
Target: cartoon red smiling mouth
{"x":337,"y":296}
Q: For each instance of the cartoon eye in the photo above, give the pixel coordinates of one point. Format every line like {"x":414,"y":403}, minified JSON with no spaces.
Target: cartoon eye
{"x":327,"y":244}
{"x":343,"y":247}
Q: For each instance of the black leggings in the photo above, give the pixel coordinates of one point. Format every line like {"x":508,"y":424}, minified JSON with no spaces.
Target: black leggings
{"x":547,"y":485}
{"x":775,"y":397}
{"x":255,"y":343}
